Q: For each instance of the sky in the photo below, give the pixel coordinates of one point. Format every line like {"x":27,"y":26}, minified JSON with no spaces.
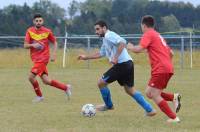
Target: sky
{"x":65,"y":3}
{"x":61,"y":3}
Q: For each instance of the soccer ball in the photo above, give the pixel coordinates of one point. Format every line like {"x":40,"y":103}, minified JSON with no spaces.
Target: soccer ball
{"x":88,"y":110}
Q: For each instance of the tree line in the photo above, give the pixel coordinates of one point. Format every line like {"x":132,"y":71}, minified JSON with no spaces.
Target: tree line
{"x":122,"y":16}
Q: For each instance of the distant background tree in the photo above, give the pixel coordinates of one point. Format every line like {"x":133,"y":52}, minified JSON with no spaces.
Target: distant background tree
{"x":169,"y":24}
{"x":122,"y":16}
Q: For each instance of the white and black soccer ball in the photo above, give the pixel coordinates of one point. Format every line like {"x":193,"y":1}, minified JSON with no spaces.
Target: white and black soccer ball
{"x":88,"y":110}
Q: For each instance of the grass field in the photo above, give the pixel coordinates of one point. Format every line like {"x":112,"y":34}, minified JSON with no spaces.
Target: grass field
{"x":56,"y":114}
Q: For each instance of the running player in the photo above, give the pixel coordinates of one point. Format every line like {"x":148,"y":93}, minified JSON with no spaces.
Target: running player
{"x":160,"y":56}
{"x":122,"y":69}
{"x":37,"y":40}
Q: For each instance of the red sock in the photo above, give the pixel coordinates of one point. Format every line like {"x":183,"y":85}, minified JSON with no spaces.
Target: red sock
{"x":37,"y":88}
{"x":166,"y":109}
{"x":58,"y":85}
{"x":167,"y":96}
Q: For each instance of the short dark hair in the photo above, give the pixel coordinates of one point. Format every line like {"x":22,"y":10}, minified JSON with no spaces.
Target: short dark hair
{"x":148,"y":20}
{"x":37,"y":15}
{"x":101,"y":23}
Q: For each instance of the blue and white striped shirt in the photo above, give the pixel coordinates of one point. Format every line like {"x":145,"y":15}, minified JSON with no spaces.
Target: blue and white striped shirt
{"x":110,"y":45}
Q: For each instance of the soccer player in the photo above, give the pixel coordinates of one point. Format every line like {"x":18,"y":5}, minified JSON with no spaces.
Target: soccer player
{"x":37,"y":40}
{"x":114,"y":48}
{"x":160,"y":56}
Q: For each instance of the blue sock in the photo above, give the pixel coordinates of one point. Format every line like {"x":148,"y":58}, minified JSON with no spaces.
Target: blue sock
{"x":105,"y":92}
{"x":142,"y":101}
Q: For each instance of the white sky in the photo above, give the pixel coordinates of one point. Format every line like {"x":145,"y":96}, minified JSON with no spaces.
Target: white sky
{"x":61,"y":3}
{"x":65,"y":3}
{"x":194,"y":2}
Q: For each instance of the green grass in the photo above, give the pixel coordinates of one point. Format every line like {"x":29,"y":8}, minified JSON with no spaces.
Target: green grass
{"x":56,"y":114}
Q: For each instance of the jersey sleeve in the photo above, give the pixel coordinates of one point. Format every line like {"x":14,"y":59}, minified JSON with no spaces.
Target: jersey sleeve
{"x":51,"y":37}
{"x":145,"y":41}
{"x":27,"y":37}
{"x":115,"y":39}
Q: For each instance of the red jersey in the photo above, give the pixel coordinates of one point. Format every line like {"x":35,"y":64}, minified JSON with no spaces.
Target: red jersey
{"x":42,"y":35}
{"x":158,"y":51}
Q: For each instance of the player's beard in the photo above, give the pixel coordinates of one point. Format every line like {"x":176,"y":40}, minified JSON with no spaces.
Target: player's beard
{"x":38,"y":26}
{"x":102,"y":35}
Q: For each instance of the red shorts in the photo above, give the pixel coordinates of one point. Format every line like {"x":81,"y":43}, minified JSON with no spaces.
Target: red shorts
{"x":160,"y":80}
{"x":39,"y":68}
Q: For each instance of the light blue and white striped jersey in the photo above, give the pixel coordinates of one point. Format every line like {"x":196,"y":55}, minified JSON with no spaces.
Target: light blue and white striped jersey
{"x":110,"y":45}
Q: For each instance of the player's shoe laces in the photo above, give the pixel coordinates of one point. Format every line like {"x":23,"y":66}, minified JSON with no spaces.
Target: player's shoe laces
{"x":177,"y":102}
{"x":103,"y":107}
{"x":152,"y":113}
{"x":68,"y":91}
{"x":176,"y":120}
{"x":38,"y":99}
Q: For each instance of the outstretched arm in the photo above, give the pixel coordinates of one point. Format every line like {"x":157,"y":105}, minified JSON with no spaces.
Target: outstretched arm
{"x":88,"y":57}
{"x":135,"y":49}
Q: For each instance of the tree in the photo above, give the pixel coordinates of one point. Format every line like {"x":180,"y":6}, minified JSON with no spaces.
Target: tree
{"x":170,"y":24}
{"x":73,"y":9}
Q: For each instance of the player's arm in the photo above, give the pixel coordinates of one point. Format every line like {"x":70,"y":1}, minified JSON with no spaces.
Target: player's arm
{"x":96,"y":55}
{"x":171,"y":53}
{"x":27,"y":41}
{"x":135,"y":49}
{"x":119,"y":51}
{"x":53,"y":55}
{"x":28,"y":46}
{"x":52,"y":39}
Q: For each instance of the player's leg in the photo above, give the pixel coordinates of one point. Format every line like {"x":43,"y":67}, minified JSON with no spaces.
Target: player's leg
{"x":139,"y":98}
{"x":106,"y":96}
{"x":155,"y":87}
{"x":126,"y":79}
{"x":36,"y":87}
{"x":65,"y":87}
{"x":167,"y":96}
{"x":108,"y":77}
{"x":35,"y":84}
{"x":155,"y":95}
{"x":173,"y":97}
{"x":46,"y":80}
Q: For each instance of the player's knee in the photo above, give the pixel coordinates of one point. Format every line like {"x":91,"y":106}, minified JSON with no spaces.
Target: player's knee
{"x":130,"y":90}
{"x":101,"y":83}
{"x":31,"y":79}
{"x":45,"y":81}
{"x":149,"y":94}
{"x":130,"y":93}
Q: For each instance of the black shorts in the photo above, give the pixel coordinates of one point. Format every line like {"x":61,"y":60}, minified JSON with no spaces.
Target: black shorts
{"x":122,"y":72}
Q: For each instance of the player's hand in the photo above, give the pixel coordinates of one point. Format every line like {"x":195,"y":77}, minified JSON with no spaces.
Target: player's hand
{"x":82,"y":57}
{"x":130,"y":46}
{"x":37,"y":46}
{"x":114,"y":61}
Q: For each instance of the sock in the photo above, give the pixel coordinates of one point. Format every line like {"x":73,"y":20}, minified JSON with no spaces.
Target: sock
{"x":105,"y":92}
{"x":167,"y":96}
{"x":166,"y":109}
{"x":58,"y":85}
{"x":36,"y":87}
{"x":142,"y":101}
